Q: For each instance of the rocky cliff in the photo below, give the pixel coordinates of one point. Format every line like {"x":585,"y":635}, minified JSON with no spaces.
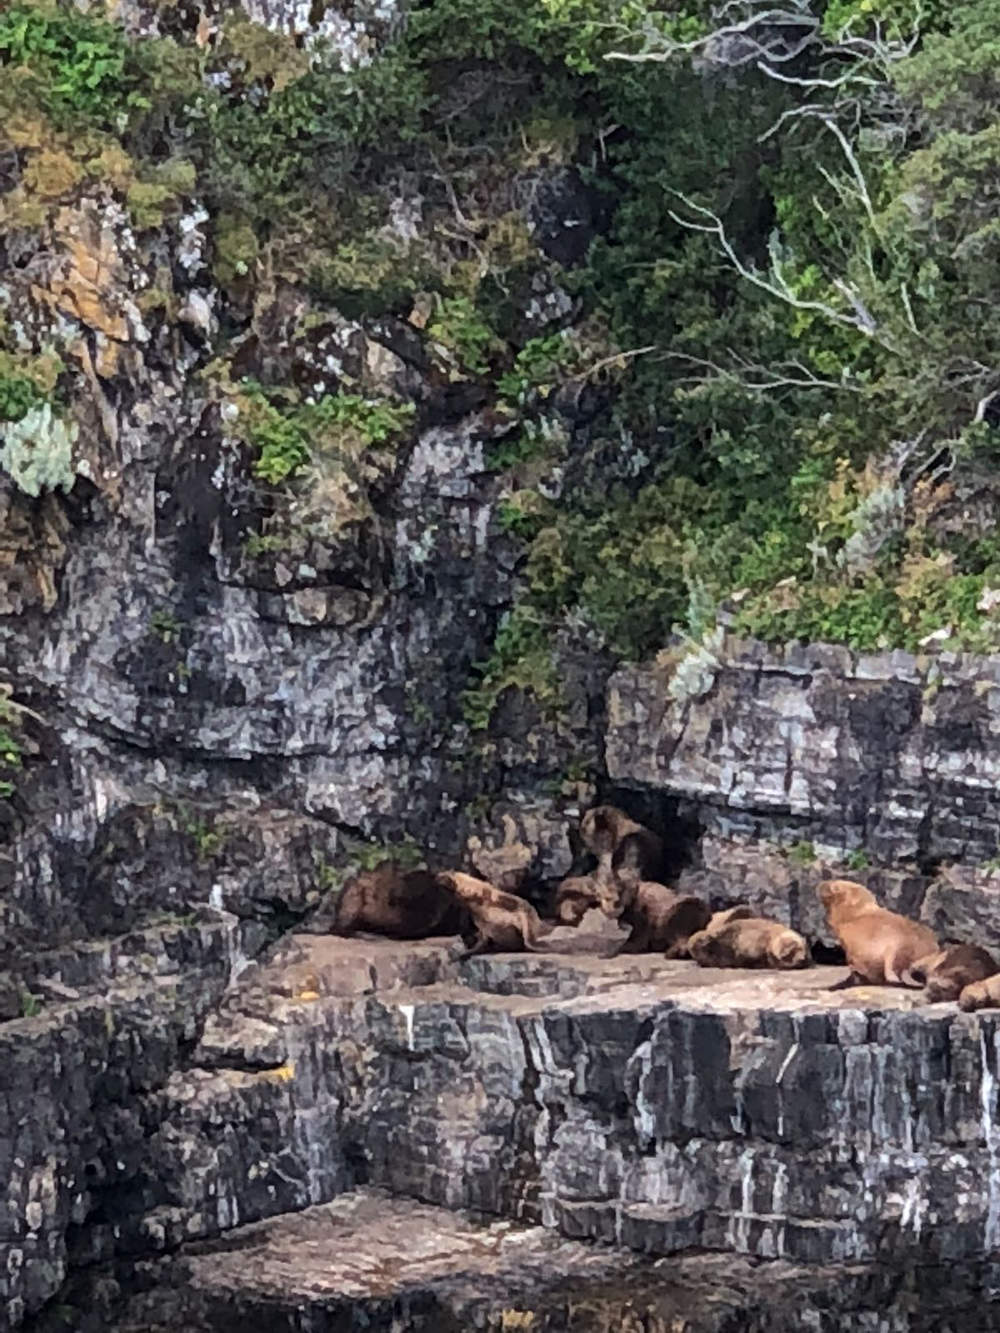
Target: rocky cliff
{"x":659,"y":1108}
{"x":369,"y":419}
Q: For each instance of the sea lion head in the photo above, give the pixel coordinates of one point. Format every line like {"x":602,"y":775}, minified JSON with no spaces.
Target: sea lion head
{"x":456,"y":883}
{"x":599,"y":829}
{"x":844,"y":895}
{"x":616,"y":891}
{"x":789,"y":949}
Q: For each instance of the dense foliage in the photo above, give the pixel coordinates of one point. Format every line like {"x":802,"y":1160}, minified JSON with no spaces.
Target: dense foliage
{"x":786,"y":312}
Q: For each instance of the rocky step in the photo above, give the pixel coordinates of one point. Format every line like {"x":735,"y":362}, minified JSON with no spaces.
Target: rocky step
{"x":642,"y":1103}
{"x":163,"y":948}
{"x":107,"y":1023}
{"x":371,"y":1262}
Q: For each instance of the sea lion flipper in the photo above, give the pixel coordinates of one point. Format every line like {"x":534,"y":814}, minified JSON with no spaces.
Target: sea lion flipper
{"x":852,"y":979}
{"x":473,"y":950}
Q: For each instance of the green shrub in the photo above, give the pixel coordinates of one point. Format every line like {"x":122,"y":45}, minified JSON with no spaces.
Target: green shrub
{"x":460,"y":327}
{"x":18,"y":395}
{"x":79,"y":64}
{"x":285,"y":432}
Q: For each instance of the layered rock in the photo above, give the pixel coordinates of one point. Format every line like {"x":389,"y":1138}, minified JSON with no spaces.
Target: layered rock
{"x":371,"y":1262}
{"x":809,"y":760}
{"x":653,"y":1105}
{"x":103,"y":1026}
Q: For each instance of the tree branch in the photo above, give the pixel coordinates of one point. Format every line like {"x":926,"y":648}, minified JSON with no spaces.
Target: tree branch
{"x":861,"y":320}
{"x":797,"y":376}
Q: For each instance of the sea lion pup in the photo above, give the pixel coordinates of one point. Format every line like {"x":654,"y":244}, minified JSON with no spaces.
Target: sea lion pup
{"x":500,"y":920}
{"x":574,"y":897}
{"x":578,"y":894}
{"x":663,"y":921}
{"x":619,"y":843}
{"x":944,"y":975}
{"x":981,"y":995}
{"x":403,"y":904}
{"x":595,"y":934}
{"x":747,"y":941}
{"x":881,"y":946}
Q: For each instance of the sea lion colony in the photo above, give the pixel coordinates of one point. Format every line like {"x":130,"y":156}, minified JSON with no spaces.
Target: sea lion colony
{"x":645,"y":916}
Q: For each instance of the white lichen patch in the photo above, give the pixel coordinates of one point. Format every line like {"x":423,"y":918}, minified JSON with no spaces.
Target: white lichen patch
{"x":37,"y":451}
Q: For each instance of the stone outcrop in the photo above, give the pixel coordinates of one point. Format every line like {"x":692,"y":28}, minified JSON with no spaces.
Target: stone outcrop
{"x":371,"y":1262}
{"x":657,"y":1107}
{"x":809,"y":760}
{"x":102,"y":1026}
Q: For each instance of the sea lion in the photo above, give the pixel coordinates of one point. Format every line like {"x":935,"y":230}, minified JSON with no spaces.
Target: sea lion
{"x":500,"y":920}
{"x":727,"y":914}
{"x":595,"y":934}
{"x":747,"y":941}
{"x":881,"y":946}
{"x":576,"y":895}
{"x":662,"y":921}
{"x":573,"y":897}
{"x":944,"y":975}
{"x":619,"y":843}
{"x":981,"y":995}
{"x":403,"y":904}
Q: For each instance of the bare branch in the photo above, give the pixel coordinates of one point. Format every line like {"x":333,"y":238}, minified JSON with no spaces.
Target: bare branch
{"x":743,"y":47}
{"x":861,"y":320}
{"x":905,"y":297}
{"x":783,"y":375}
{"x":618,"y":358}
{"x":849,"y":76}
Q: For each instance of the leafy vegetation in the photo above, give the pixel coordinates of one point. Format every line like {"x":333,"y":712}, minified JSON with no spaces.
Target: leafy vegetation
{"x":79,"y":66}
{"x":18,"y":395}
{"x":11,"y":758}
{"x":783,"y":325}
{"x":285,"y":431}
{"x":522,"y":658}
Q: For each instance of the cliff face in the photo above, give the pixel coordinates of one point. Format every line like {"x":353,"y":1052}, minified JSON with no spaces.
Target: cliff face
{"x":656,"y":1107}
{"x":811,"y":758}
{"x":344,"y":464}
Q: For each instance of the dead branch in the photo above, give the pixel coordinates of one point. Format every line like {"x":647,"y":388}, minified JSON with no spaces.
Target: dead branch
{"x":782,"y":375}
{"x":777,"y":286}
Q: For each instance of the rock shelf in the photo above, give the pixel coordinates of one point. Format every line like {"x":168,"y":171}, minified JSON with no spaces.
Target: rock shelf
{"x":657,"y":1107}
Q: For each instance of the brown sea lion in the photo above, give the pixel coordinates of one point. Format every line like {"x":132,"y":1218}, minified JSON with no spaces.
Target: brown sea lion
{"x":595,"y":934}
{"x":578,"y":894}
{"x":403,"y":904}
{"x":619,"y":843}
{"x":500,"y":920}
{"x":944,"y":975}
{"x":663,"y":921}
{"x":747,"y":941}
{"x":981,"y":995}
{"x":573,"y":897}
{"x":881,"y":946}
{"x":723,"y":918}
